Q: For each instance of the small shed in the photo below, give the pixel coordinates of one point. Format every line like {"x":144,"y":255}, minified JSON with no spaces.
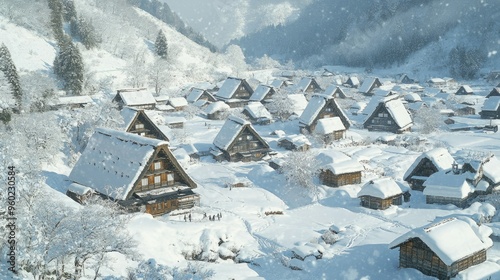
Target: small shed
{"x":464,"y":90}
{"x":79,"y":193}
{"x":178,"y":103}
{"x":428,"y":163}
{"x":444,"y":248}
{"x":436,"y":82}
{"x":447,"y":187}
{"x":296,"y":142}
{"x":338,"y":169}
{"x":217,"y":110}
{"x":330,"y":129}
{"x":72,"y":102}
{"x":257,"y":113}
{"x":380,"y":194}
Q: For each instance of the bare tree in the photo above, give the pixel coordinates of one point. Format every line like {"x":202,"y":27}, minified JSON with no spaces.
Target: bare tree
{"x":158,"y":74}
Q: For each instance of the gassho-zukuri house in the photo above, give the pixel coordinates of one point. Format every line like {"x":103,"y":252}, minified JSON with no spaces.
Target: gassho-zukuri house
{"x":139,"y":173}
{"x":445,"y":248}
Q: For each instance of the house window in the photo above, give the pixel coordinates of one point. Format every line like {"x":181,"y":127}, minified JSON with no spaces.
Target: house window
{"x":157,"y":165}
{"x":139,"y":126}
{"x":389,"y":122}
{"x":144,"y":182}
{"x":142,"y":134}
{"x":242,"y":88}
{"x":329,"y":109}
{"x":249,"y":137}
{"x":157,"y":180}
{"x":240,"y":138}
{"x":170,"y":178}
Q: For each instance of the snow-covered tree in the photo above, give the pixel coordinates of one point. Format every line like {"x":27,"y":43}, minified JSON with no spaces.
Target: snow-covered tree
{"x":9,"y":70}
{"x":136,"y":70}
{"x":301,"y":168}
{"x":281,"y":106}
{"x":161,"y":47}
{"x":68,"y":66}
{"x":39,"y":91}
{"x":428,"y":119}
{"x":56,"y":19}
{"x":157,"y":74}
{"x":68,"y":10}
{"x":84,"y":31}
{"x":236,"y":57}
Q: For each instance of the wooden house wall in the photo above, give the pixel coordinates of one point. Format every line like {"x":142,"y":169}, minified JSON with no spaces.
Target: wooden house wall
{"x":416,"y":254}
{"x":246,"y":147}
{"x":378,"y":203}
{"x":490,"y":114}
{"x":465,"y":111}
{"x":381,"y":120}
{"x":461,"y":91}
{"x":459,"y":202}
{"x":328,"y":178}
{"x":328,"y":111}
{"x":336,"y":135}
{"x":143,"y":127}
{"x":242,"y":92}
{"x":207,"y":97}
{"x":424,"y":168}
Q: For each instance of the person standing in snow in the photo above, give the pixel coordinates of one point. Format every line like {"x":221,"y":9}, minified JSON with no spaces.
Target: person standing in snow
{"x":190,"y":217}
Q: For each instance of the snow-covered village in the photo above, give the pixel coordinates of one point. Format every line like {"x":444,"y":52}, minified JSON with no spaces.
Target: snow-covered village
{"x":298,"y":139}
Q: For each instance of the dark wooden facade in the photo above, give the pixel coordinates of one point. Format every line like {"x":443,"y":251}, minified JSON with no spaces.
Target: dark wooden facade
{"x":464,"y":91}
{"x":336,"y":180}
{"x":142,"y":125}
{"x":414,"y":253}
{"x":248,"y":146}
{"x":163,"y":172}
{"x":289,"y":145}
{"x":312,"y":87}
{"x":443,"y":200}
{"x":494,"y":92}
{"x":329,"y":110}
{"x":381,"y":203}
{"x":420,"y":173}
{"x":381,"y":120}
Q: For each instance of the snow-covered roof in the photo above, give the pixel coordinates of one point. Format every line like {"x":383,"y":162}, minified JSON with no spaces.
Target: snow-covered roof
{"x":174,"y":119}
{"x":304,"y":83}
{"x":69,"y":100}
{"x":195,"y":94}
{"x":397,"y":110}
{"x":278,"y":83}
{"x":216,"y":106}
{"x":228,"y":88}
{"x":135,"y":97}
{"x":381,"y":188}
{"x":299,"y":103}
{"x":451,"y":239}
{"x":383,"y":92}
{"x":367,"y":85}
{"x":79,"y":189}
{"x":440,"y":157}
{"x":112,"y":161}
{"x":128,"y":114}
{"x":332,"y":89}
{"x":343,"y":167}
{"x":162,"y":98}
{"x":413,"y":97}
{"x":375,"y":101}
{"x":354,"y":80}
{"x":436,"y":81}
{"x":297,"y":139}
{"x":331,"y":156}
{"x":178,"y":102}
{"x":229,"y":131}
{"x":491,"y":169}
{"x":467,"y":89}
{"x":329,"y":125}
{"x":316,"y":103}
{"x":260,"y":93}
{"x":491,"y":103}
{"x":448,"y":184}
{"x":257,"y":110}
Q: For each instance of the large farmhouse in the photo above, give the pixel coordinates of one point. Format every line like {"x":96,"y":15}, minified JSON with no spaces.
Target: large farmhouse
{"x":235,"y":92}
{"x":389,"y":115}
{"x":442,"y":249}
{"x":135,"y":171}
{"x":238,"y":141}
{"x":319,"y":107}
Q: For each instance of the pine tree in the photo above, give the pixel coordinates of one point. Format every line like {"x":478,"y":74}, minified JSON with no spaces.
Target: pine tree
{"x":9,"y":70}
{"x":68,"y":10}
{"x":68,"y":65}
{"x":56,"y":18}
{"x":161,"y":46}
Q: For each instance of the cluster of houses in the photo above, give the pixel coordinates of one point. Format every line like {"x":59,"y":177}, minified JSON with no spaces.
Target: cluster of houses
{"x":135,"y":166}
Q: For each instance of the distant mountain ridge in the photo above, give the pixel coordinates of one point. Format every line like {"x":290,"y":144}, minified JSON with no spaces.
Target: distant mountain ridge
{"x":378,"y":33}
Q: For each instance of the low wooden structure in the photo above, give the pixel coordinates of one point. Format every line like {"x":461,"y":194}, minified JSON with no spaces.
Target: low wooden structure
{"x":257,"y":113}
{"x":217,"y":110}
{"x":139,"y":98}
{"x":330,"y":129}
{"x":491,"y":108}
{"x":137,"y":172}
{"x":295,"y":143}
{"x":442,"y":249}
{"x":338,"y":169}
{"x":238,"y":141}
{"x":380,"y":194}
{"x":448,"y":187}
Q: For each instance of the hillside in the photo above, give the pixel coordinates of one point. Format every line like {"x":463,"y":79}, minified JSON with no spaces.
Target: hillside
{"x":381,"y":33}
